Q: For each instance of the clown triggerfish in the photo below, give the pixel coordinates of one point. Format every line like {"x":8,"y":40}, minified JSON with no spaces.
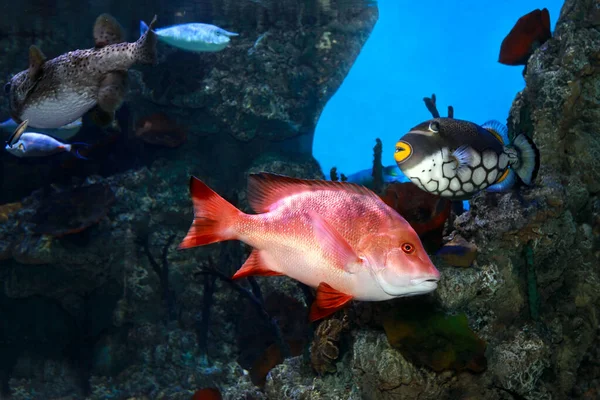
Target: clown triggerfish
{"x":456,"y":159}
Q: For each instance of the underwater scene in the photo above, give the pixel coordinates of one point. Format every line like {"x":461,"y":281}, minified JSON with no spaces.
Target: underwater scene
{"x":300,"y":199}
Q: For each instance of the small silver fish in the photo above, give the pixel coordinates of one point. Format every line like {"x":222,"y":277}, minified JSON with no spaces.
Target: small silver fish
{"x":63,"y":133}
{"x":33,"y":144}
{"x":194,"y":37}
{"x":56,"y":92}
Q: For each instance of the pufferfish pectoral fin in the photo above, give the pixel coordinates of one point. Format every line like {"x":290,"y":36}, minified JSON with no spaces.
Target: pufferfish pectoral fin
{"x":107,"y":30}
{"x":36,"y":62}
{"x":111,"y":92}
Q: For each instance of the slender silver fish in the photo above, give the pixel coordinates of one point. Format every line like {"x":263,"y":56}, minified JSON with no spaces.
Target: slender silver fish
{"x":32,"y":144}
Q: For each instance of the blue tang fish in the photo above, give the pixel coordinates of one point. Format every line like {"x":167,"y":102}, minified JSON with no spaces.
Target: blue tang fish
{"x":33,"y":144}
{"x":194,"y":37}
{"x":65,"y":132}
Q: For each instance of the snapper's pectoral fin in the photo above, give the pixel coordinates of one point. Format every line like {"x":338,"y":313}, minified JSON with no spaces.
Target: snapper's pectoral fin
{"x":111,"y":92}
{"x":255,"y":265}
{"x":327,"y":302}
{"x":107,"y":30}
{"x":333,"y":243}
{"x":36,"y":62}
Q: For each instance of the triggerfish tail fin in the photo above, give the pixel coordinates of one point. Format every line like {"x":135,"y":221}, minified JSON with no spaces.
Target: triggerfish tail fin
{"x":145,"y":51}
{"x":529,"y":159}
{"x":143,"y":28}
{"x":505,"y":182}
{"x":214,"y":217}
{"x":76,"y":147}
{"x":327,"y":301}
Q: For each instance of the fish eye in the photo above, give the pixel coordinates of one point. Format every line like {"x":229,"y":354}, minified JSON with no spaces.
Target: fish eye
{"x":21,"y":147}
{"x":408,"y":248}
{"x":7,"y":88}
{"x":434,"y":126}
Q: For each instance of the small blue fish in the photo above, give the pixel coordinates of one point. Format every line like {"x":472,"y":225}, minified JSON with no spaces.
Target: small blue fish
{"x":64,"y":132}
{"x":365,"y":177}
{"x":33,"y":144}
{"x":195,"y":37}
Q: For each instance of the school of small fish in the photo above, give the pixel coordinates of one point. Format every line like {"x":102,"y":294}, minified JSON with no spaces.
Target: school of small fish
{"x":339,"y":238}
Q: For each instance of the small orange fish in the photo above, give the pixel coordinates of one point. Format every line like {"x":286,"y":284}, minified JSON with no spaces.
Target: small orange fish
{"x":338,"y":237}
{"x":529,"y":33}
{"x":207,"y":394}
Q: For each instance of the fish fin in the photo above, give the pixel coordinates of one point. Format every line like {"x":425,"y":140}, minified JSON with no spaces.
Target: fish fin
{"x":504,"y":183}
{"x":255,"y":265}
{"x":145,"y":46}
{"x":327,"y":301}
{"x":333,"y":243}
{"x":529,"y":158}
{"x":111,"y":91}
{"x":17,"y":133}
{"x":143,"y":28}
{"x":100,"y":117}
{"x":213,"y":217}
{"x":498,"y":129}
{"x":76,"y":147}
{"x":463,"y":158}
{"x":266,"y":189}
{"x":36,"y":62}
{"x":107,"y":31}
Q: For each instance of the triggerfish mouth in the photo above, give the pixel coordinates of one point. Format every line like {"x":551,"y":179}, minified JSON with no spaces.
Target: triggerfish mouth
{"x":53,"y":93}
{"x":456,"y":159}
{"x":337,"y":237}
{"x":33,"y":144}
{"x":195,"y":37}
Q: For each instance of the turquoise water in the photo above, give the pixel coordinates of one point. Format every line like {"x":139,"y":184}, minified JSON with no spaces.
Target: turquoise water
{"x":418,"y":48}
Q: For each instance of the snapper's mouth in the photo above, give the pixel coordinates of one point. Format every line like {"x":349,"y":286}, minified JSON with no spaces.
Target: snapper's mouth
{"x":425,"y":283}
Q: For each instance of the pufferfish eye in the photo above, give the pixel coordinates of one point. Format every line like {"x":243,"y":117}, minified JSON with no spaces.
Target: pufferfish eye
{"x":7,"y":88}
{"x":434,"y":126}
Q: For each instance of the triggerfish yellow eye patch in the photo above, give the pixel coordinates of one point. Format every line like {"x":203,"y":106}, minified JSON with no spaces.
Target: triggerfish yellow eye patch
{"x":403,"y":151}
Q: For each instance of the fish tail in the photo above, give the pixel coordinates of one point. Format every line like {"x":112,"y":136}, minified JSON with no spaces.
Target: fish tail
{"x":529,"y":158}
{"x":214,"y":217}
{"x":76,"y":147}
{"x":145,"y":47}
{"x":143,"y":28}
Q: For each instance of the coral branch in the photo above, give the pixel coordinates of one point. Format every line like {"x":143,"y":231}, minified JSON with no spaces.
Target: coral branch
{"x":430,"y":103}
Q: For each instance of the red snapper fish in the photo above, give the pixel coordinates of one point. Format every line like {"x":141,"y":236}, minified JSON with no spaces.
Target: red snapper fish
{"x":337,"y":237}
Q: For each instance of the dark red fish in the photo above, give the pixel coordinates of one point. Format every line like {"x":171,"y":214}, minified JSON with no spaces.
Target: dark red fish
{"x":529,"y":33}
{"x":207,"y":394}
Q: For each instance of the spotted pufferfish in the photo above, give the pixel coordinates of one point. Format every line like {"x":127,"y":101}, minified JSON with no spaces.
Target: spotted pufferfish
{"x":456,"y":159}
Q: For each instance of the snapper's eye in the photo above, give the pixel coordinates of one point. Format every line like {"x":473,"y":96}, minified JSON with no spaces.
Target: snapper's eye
{"x":408,"y":248}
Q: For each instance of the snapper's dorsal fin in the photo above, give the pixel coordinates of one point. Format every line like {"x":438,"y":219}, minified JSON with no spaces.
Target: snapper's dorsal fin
{"x":36,"y":62}
{"x":107,"y":30}
{"x":17,"y":133}
{"x":266,"y":189}
{"x":498,"y":129}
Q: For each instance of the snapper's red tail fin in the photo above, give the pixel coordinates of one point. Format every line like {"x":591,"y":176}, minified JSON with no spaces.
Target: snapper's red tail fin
{"x":214,"y":217}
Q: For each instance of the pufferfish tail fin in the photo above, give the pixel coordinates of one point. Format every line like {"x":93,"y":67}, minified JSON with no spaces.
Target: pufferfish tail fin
{"x":529,"y":159}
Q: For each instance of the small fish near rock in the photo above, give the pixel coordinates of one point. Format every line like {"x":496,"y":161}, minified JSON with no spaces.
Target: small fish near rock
{"x":529,"y":33}
{"x":160,"y":130}
{"x":53,"y":93}
{"x":73,"y":211}
{"x":337,"y":237}
{"x":458,"y":252}
{"x":33,"y":144}
{"x":194,"y":37}
{"x":457,"y":159}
